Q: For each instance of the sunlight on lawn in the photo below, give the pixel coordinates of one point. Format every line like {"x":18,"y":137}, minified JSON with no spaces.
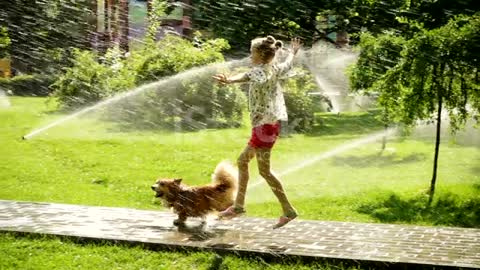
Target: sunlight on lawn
{"x":91,"y":162}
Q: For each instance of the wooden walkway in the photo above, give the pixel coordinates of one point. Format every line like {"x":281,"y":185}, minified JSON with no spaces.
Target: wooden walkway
{"x":384,"y":244}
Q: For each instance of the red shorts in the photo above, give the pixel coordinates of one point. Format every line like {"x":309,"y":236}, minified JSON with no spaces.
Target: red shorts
{"x":264,"y":136}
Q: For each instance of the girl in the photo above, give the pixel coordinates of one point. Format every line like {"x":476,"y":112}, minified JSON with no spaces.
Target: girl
{"x":267,"y":108}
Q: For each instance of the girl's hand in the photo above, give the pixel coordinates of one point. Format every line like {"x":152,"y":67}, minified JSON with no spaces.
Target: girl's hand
{"x":295,"y":45}
{"x":221,"y":78}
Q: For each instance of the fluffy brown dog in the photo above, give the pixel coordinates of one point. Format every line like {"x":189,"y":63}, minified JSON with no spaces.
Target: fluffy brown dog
{"x":198,"y":201}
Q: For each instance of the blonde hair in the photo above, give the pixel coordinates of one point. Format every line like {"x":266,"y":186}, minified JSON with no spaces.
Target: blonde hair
{"x":266,"y":47}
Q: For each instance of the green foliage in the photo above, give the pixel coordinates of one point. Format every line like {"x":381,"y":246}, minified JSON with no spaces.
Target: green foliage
{"x":412,"y":75}
{"x":187,"y":102}
{"x":433,"y":14}
{"x":376,"y":17}
{"x":173,"y":54}
{"x":436,"y":64}
{"x":240,"y":21}
{"x":299,"y":103}
{"x":4,"y":42}
{"x":436,"y":69}
{"x":43,"y":26}
{"x":157,"y":13}
{"x":28,"y":85}
{"x":89,"y":81}
{"x":378,"y":54}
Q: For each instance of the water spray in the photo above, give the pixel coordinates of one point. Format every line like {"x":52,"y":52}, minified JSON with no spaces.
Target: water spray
{"x":132,"y":93}
{"x":327,"y":65}
{"x":338,"y":150}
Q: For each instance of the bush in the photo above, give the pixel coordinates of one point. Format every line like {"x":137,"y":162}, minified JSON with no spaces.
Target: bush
{"x":28,"y":85}
{"x":189,"y":104}
{"x":89,"y":81}
{"x":192,"y":101}
{"x":36,"y":28}
{"x":4,"y":42}
{"x":189,"y":101}
{"x":172,"y":55}
{"x":300,"y":105}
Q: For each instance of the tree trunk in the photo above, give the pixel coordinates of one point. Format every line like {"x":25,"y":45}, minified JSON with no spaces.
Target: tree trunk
{"x":114,"y":22}
{"x":437,"y":149}
{"x":124,"y":25}
{"x":187,"y":17}
{"x":93,"y":24}
{"x":384,"y":138}
{"x":106,"y":16}
{"x":149,"y":10}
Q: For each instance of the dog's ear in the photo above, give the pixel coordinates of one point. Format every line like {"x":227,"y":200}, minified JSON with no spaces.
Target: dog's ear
{"x":177,"y":181}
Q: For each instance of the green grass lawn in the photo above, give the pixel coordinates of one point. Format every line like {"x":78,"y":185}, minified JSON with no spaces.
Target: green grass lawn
{"x":90,"y":163}
{"x":45,"y":252}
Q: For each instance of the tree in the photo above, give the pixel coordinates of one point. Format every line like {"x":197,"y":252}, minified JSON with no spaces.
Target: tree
{"x":239,"y":21}
{"x":156,"y":10}
{"x":41,"y":31}
{"x":4,"y":42}
{"x":435,"y":70}
{"x":436,"y":13}
{"x":378,"y":54}
{"x":124,"y":25}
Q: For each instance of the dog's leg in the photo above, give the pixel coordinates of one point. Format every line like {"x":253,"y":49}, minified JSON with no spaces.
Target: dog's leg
{"x":180,"y":221}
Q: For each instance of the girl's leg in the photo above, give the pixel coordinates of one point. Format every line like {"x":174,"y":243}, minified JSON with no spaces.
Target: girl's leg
{"x":238,"y":206}
{"x":263,"y":159}
{"x":242,"y":163}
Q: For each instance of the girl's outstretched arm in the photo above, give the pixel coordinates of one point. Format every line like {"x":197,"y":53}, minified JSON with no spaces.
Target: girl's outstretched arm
{"x":287,"y":64}
{"x":223,"y":79}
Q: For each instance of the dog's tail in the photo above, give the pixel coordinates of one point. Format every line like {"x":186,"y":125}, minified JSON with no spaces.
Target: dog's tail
{"x":225,"y":176}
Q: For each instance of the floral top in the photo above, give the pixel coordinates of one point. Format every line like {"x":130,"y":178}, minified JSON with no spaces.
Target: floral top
{"x":265,"y":97}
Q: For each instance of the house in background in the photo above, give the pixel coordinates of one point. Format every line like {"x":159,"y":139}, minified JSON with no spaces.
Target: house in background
{"x":329,"y":26}
{"x":123,"y":21}
{"x":5,"y":68}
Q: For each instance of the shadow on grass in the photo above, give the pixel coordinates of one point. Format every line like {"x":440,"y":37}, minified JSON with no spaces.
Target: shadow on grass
{"x":449,"y":210}
{"x":346,"y":123}
{"x":378,"y":160}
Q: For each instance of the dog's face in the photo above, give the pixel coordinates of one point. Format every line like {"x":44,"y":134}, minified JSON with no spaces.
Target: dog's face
{"x":165,"y":186}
